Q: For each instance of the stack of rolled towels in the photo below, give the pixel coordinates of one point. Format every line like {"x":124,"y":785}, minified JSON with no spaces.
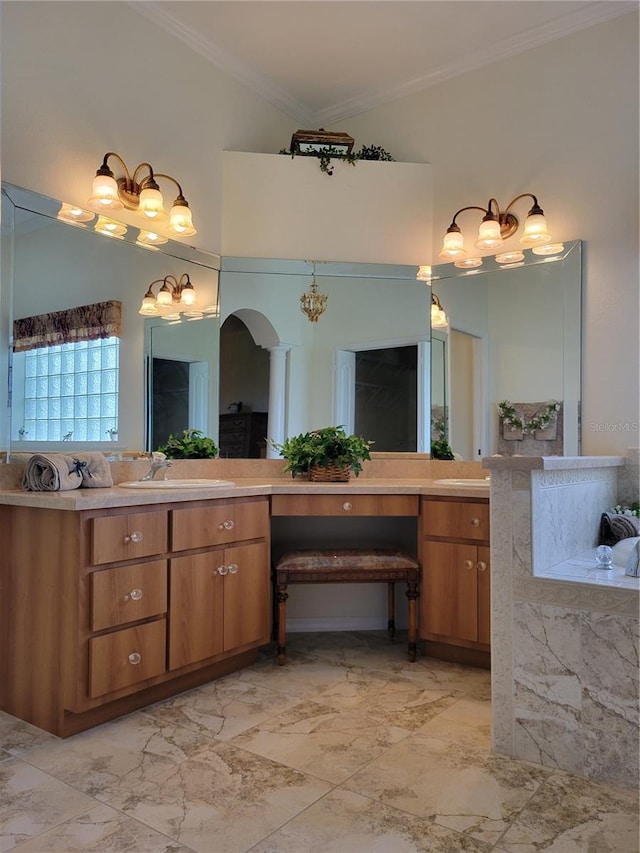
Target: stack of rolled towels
{"x":60,"y":472}
{"x":614,"y":527}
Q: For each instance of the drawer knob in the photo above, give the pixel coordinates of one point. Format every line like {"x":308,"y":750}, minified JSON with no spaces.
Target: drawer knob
{"x":136,"y":536}
{"x":134,"y":595}
{"x":468,"y":564}
{"x":135,"y":658}
{"x":475,"y":522}
{"x":223,"y":570}
{"x":482,"y":566}
{"x":347,"y":505}
{"x":227,"y":525}
{"x":233,"y":568}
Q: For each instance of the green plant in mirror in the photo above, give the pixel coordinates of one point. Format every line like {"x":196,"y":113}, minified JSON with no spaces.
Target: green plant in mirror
{"x":193,"y":444}
{"x":329,"y":446}
{"x":440,"y":448}
{"x":326,"y":155}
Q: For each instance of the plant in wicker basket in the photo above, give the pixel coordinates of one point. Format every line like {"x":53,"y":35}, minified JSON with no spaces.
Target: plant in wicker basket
{"x":324,"y":454}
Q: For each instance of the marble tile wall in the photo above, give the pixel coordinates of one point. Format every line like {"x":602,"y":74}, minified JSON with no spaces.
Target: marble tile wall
{"x":565,"y":656}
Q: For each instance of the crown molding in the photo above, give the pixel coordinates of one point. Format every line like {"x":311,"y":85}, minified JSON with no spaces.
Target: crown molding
{"x":224,"y":59}
{"x":574,"y":22}
{"x":595,"y":13}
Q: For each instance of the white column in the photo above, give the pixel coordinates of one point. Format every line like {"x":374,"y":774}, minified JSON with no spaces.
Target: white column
{"x":277,"y":398}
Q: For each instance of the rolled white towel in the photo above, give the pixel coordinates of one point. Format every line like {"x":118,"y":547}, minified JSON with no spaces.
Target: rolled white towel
{"x":51,"y":472}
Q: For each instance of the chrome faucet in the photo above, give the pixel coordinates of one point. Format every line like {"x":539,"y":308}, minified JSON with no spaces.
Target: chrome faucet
{"x":633,"y":563}
{"x":158,"y":462}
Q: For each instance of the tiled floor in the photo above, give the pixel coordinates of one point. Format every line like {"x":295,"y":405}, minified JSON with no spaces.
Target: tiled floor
{"x":346,"y":749}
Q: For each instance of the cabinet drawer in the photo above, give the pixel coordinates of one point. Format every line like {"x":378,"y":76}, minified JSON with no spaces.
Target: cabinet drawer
{"x":127,"y":594}
{"x":125,"y":537}
{"x":456,"y":519}
{"x":127,"y":657}
{"x":231,"y":521}
{"x":344,"y":504}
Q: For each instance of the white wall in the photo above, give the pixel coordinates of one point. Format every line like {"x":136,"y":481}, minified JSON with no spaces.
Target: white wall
{"x":81,"y":79}
{"x":560,"y":121}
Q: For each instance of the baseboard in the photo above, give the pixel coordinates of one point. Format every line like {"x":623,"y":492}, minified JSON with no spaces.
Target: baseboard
{"x":340,"y":623}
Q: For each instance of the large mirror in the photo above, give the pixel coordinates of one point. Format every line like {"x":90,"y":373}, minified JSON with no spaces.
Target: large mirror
{"x":262,"y":368}
{"x":513,"y":334}
{"x":94,"y":392}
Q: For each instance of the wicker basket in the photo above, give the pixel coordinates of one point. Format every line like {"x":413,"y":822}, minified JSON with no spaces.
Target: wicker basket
{"x":329,"y":473}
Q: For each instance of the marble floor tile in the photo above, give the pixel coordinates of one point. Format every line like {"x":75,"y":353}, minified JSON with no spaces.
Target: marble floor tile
{"x":570,"y":814}
{"x":317,"y":738}
{"x":16,"y":736}
{"x":32,"y":802}
{"x":221,"y":709}
{"x":302,"y":675}
{"x":345,"y":822}
{"x":456,"y":786}
{"x":223,"y":800}
{"x":101,"y":830}
{"x":466,"y":722}
{"x":125,"y":752}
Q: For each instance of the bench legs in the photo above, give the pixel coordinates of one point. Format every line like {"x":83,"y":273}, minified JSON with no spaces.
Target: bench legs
{"x":412,"y":595}
{"x":282,"y":596}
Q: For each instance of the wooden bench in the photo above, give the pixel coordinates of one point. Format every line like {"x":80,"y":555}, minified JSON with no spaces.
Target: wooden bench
{"x":347,"y":566}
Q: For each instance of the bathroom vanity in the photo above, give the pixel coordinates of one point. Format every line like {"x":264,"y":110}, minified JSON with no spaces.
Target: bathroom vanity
{"x":115,"y":598}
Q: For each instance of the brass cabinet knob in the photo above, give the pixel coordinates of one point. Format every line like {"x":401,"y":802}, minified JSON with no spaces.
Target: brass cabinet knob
{"x":475,"y":522}
{"x":468,"y":564}
{"x":482,"y":566}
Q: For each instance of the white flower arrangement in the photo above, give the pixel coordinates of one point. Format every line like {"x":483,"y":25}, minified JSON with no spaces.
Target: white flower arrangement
{"x":618,"y":509}
{"x":540,"y":421}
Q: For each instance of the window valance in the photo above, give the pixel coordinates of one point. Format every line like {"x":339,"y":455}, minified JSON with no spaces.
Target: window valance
{"x":83,"y":323}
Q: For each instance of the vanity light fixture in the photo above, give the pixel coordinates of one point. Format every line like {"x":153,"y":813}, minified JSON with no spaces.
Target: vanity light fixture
{"x":149,"y":239}
{"x":424,"y":273}
{"x":110,"y":227}
{"x":139,"y":192}
{"x":313,"y":303}
{"x":175,"y":295}
{"x":73,"y":214}
{"x":510,"y":258}
{"x":468,"y":263}
{"x":548,"y":249}
{"x":496,"y":226}
{"x":439,"y":319}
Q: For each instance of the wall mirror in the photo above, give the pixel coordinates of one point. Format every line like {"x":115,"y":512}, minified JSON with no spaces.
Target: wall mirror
{"x":364,"y":363}
{"x":54,"y":266}
{"x":514,"y":334}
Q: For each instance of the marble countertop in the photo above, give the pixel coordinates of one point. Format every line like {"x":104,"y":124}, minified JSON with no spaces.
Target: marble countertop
{"x":84,"y":499}
{"x":582,"y":569}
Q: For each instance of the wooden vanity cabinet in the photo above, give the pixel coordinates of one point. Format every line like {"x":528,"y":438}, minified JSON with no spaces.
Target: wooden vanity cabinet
{"x":109,"y":610}
{"x":455,"y":594}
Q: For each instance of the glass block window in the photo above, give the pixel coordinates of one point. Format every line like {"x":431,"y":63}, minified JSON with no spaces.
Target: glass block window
{"x":68,"y":392}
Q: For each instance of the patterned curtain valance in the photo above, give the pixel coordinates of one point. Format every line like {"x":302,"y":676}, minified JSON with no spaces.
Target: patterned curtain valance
{"x":84,"y":323}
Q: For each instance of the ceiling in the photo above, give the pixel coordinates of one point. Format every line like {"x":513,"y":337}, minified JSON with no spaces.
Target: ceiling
{"x":321,"y":62}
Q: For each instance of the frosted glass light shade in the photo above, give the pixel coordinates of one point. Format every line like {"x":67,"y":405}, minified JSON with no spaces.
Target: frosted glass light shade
{"x":107,"y":226}
{"x":453,"y":246}
{"x":151,"y":204}
{"x":150,"y":238}
{"x":535,"y":232}
{"x":468,"y":263}
{"x":164,"y":296}
{"x":188,"y":295}
{"x":489,"y":236}
{"x":180,"y":221}
{"x":104,"y":194}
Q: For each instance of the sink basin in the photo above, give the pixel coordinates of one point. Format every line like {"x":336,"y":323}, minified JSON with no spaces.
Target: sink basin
{"x":174,"y":484}
{"x":461,"y":481}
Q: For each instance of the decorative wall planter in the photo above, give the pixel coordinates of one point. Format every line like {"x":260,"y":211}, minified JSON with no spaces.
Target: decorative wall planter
{"x":548,"y":434}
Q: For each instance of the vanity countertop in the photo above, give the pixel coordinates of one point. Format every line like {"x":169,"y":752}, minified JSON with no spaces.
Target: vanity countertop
{"x":89,"y":499}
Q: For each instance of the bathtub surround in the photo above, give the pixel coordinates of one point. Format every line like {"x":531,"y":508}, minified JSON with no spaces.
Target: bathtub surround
{"x":565,"y":637}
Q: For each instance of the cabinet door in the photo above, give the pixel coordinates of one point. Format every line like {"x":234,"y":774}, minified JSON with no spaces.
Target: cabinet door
{"x":484,"y":595}
{"x":449,"y":591}
{"x":246,"y":595}
{"x":196,"y":609}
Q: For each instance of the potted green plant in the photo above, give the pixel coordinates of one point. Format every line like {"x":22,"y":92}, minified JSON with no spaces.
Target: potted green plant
{"x":193,"y":444}
{"x":324,"y":454}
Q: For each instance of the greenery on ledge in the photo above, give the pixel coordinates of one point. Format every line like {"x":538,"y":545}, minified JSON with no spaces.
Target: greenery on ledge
{"x":326,"y":446}
{"x":192,"y":445}
{"x":326,"y":155}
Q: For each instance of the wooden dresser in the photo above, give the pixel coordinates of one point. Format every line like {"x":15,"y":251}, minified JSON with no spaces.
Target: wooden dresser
{"x":242,"y":434}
